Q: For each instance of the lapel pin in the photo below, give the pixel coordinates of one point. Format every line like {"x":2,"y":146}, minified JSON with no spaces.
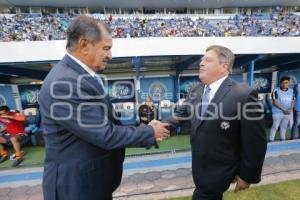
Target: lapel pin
{"x":225,"y":125}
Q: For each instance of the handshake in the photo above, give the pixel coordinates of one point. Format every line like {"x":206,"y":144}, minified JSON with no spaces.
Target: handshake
{"x":161,"y":131}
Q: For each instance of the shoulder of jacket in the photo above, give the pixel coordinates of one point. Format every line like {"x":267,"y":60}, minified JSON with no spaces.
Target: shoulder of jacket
{"x":242,"y":89}
{"x":196,"y":87}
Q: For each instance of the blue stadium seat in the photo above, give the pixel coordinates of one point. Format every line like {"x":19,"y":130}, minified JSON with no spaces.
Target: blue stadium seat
{"x":32,"y":124}
{"x":127,"y":114}
{"x":165,"y":109}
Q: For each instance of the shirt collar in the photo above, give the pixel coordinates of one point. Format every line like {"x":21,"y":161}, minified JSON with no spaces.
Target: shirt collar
{"x":84,"y":66}
{"x":215,"y":85}
{"x":283,"y":89}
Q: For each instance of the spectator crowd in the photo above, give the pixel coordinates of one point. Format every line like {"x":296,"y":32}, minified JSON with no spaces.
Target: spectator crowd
{"x":27,"y":27}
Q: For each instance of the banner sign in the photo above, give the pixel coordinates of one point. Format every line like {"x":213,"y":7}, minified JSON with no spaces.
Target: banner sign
{"x":121,"y":90}
{"x":7,"y":97}
{"x":263,"y":82}
{"x":158,"y":88}
{"x":185,"y":83}
{"x":29,"y":95}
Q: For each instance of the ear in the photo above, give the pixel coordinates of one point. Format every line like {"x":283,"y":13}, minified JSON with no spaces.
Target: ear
{"x":225,"y":67}
{"x":83,"y":45}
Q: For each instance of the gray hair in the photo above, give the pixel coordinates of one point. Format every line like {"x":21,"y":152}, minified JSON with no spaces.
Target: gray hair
{"x":85,"y":26}
{"x":225,"y":55}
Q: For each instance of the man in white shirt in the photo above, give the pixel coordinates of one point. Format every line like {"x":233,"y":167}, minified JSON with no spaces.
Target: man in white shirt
{"x":228,"y":137}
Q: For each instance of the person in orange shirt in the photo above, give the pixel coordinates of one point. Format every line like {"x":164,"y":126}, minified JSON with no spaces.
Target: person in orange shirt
{"x":13,"y":128}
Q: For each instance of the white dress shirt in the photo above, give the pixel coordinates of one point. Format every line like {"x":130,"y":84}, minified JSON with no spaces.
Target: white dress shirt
{"x":88,"y":70}
{"x":214,"y":87}
{"x":84,"y":66}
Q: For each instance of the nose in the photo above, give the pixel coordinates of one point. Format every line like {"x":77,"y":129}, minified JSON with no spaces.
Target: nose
{"x":109,"y":55}
{"x":201,"y":63}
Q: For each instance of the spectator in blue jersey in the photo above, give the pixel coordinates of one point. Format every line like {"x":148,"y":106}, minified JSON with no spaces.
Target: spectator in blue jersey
{"x":282,"y":106}
{"x":295,"y":129}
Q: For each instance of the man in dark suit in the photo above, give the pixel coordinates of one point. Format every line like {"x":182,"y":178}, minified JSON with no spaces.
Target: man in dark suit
{"x":228,"y":137}
{"x":84,"y":143}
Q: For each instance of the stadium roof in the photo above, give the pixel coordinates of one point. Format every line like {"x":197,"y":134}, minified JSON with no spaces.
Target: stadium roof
{"x":158,"y":55}
{"x":151,"y":4}
{"x":161,"y":64}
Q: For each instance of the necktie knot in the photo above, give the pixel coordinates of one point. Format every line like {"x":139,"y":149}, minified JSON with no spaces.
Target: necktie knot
{"x":207,"y":89}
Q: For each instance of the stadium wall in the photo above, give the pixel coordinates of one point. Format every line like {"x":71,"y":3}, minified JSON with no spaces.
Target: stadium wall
{"x":131,"y":47}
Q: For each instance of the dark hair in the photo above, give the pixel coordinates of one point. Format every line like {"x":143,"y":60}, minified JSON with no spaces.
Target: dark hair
{"x":4,"y":108}
{"x":84,"y":26}
{"x":284,"y":78}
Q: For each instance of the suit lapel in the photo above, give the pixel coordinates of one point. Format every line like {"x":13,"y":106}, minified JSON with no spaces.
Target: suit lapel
{"x":198,"y":101}
{"x":92,"y":82}
{"x":219,"y":95}
{"x":85,"y":75}
{"x":200,"y":92}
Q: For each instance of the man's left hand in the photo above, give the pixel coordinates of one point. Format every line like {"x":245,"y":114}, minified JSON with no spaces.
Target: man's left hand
{"x":240,"y":184}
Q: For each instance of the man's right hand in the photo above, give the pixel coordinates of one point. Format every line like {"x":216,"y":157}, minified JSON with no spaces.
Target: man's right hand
{"x":161,"y":131}
{"x":286,"y":112}
{"x":240,"y":184}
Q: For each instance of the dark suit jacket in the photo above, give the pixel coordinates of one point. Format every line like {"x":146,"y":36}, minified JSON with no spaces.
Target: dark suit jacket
{"x":84,"y":144}
{"x":223,"y":148}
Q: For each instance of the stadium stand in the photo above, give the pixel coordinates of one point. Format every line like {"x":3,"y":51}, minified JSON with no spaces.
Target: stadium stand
{"x":35,"y":27}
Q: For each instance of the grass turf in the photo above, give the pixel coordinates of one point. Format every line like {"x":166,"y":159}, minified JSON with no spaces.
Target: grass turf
{"x":288,"y":190}
{"x":35,"y":155}
{"x":174,"y":142}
